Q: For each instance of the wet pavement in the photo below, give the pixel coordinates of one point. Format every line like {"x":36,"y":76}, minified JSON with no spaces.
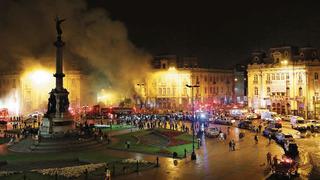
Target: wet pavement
{"x":215,"y":161}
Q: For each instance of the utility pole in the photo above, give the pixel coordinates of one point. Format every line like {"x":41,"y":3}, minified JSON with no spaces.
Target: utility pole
{"x":193,"y":155}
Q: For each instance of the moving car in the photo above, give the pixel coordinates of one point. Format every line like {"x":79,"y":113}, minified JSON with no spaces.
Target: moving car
{"x":212,"y":132}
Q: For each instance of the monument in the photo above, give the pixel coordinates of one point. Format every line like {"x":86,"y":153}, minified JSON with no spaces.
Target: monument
{"x":57,"y":121}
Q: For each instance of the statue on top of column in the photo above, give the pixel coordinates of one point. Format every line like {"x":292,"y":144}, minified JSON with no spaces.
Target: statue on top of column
{"x":58,"y":25}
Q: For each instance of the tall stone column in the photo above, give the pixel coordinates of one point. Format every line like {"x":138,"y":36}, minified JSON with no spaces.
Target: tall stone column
{"x":59,"y":63}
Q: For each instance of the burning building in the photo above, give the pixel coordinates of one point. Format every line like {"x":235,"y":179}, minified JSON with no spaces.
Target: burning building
{"x":165,"y":87}
{"x":27,"y":92}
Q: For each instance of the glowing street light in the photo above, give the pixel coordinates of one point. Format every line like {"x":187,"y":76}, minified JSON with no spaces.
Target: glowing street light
{"x":284,"y":62}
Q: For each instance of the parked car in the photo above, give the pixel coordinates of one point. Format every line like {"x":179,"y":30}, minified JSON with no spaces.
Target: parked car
{"x":223,"y":122}
{"x":299,"y":124}
{"x":291,"y":149}
{"x":212,"y":132}
{"x":271,"y":131}
{"x":313,"y":124}
{"x":282,"y":137}
{"x":251,"y":116}
{"x":286,"y":118}
{"x":246,"y":124}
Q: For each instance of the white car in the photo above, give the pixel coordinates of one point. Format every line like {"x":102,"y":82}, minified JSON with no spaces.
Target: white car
{"x":299,"y":124}
{"x":287,"y":118}
{"x":212,"y":132}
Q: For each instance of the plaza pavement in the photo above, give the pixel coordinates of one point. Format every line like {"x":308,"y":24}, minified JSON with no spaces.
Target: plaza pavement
{"x":214,"y":160}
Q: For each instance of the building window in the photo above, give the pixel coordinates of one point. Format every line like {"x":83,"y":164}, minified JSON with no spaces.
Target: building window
{"x":173,"y":91}
{"x":268,"y":91}
{"x":316,"y":76}
{"x":168,"y":91}
{"x":205,"y":78}
{"x":160,"y":91}
{"x":256,"y":91}
{"x":210,"y":90}
{"x":273,"y":77}
{"x":164,"y":91}
{"x":282,"y":76}
{"x":210,"y":78}
{"x":288,"y":91}
{"x":300,"y":91}
{"x":278,"y":76}
{"x":205,"y":90}
{"x":287,"y":76}
{"x":255,"y":78}
{"x":268,"y":77}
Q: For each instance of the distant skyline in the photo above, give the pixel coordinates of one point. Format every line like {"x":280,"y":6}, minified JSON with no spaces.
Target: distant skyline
{"x":225,"y":32}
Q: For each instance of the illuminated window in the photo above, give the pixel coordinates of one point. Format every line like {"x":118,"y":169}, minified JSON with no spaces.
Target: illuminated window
{"x":300,"y":91}
{"x":288,"y":91}
{"x":278,"y":76}
{"x":256,"y":91}
{"x":316,"y":76}
{"x":273,"y":77}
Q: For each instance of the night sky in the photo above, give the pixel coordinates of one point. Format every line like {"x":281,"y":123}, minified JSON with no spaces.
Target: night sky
{"x":224,"y":32}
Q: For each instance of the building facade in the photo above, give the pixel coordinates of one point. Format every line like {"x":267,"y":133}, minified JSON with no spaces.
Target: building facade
{"x":165,"y":87}
{"x":285,"y":80}
{"x":22,"y":94}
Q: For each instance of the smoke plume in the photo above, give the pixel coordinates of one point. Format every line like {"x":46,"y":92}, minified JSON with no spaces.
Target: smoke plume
{"x":96,"y":44}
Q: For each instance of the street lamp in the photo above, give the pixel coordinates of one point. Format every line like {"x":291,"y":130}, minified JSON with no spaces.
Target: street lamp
{"x":193,"y":155}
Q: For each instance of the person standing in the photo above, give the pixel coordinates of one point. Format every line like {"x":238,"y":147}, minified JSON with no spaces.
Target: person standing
{"x":275,"y":161}
{"x":230,"y":145}
{"x":269,"y":156}
{"x":256,"y":138}
{"x":233,"y":145}
{"x":270,"y":138}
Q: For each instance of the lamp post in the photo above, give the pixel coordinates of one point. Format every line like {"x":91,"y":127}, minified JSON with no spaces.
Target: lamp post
{"x":193,"y":155}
